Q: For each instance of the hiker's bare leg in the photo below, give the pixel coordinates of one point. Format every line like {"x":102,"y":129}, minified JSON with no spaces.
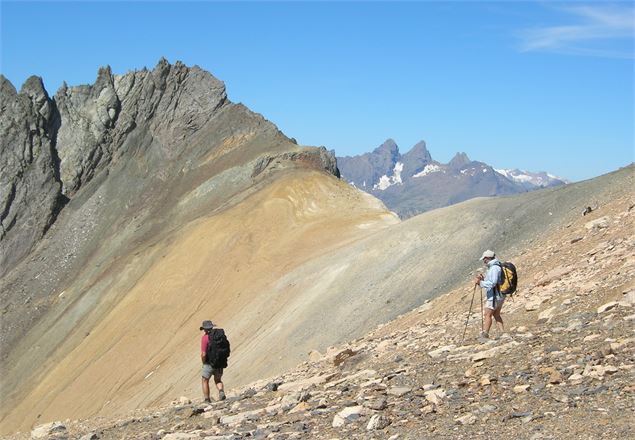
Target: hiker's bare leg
{"x":205,"y":383}
{"x":218,"y":382}
{"x":499,"y":320}
{"x":488,"y":320}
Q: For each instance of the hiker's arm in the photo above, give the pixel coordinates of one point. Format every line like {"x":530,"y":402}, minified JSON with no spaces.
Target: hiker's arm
{"x":203,"y":348}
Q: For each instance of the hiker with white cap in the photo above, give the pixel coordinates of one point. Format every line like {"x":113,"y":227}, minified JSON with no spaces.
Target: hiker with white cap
{"x":493,"y":298}
{"x":215,"y":350}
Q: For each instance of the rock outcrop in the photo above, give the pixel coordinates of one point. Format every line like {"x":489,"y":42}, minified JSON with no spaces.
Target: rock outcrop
{"x":30,"y":187}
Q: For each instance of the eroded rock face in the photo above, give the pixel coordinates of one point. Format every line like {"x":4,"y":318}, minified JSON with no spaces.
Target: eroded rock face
{"x":173,"y":101}
{"x":51,"y":148}
{"x":30,"y":194}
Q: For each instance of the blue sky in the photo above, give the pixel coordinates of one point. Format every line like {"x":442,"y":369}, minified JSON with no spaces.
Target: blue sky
{"x":535,"y":85}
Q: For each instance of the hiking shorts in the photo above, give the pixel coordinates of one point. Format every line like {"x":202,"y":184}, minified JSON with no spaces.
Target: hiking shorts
{"x":489,"y":303}
{"x":208,"y":371}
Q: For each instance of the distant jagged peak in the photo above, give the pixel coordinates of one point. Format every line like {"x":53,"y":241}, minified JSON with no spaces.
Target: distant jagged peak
{"x":459,"y":161}
{"x":389,"y":146}
{"x":418,"y":152}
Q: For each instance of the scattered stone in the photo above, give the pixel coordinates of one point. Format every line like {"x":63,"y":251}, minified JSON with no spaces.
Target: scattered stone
{"x":520,"y":414}
{"x":399,"y":391}
{"x":546,"y":315}
{"x":341,"y":356}
{"x":428,"y":409}
{"x":434,"y":354}
{"x":347,"y":415}
{"x":608,"y":306}
{"x":484,"y":380}
{"x":377,"y":422}
{"x":555,"y":377}
{"x":48,"y":429}
{"x":519,"y":389}
{"x":181,"y":436}
{"x":600,"y":223}
{"x":435,"y":396}
{"x":468,"y":419}
{"x":376,"y":404}
{"x":315,"y":356}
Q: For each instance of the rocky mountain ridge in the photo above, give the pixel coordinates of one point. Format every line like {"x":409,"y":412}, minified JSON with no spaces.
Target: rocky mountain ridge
{"x":564,"y":369}
{"x":103,"y":184}
{"x":142,"y":136}
{"x":413,"y":182}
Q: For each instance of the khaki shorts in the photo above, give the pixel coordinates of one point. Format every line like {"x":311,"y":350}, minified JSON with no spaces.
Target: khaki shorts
{"x":489,"y":304}
{"x":207,"y":371}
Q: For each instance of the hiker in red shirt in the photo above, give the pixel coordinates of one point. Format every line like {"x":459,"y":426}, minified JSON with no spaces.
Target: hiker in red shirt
{"x":214,"y":353}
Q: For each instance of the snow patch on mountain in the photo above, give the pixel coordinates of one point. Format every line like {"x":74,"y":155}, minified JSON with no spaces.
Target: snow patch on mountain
{"x":385,"y":182}
{"x":428,"y":169}
{"x":526,"y":177}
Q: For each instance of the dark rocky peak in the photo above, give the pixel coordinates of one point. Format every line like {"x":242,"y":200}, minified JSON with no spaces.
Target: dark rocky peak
{"x":415,"y":160}
{"x":389,"y":146}
{"x":419,"y":153}
{"x":459,"y":161}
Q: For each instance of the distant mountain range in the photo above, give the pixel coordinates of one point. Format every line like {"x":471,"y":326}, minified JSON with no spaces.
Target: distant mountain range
{"x":413,"y":182}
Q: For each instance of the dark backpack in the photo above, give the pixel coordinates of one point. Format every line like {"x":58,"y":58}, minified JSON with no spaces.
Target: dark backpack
{"x":218,"y":349}
{"x":508,"y":278}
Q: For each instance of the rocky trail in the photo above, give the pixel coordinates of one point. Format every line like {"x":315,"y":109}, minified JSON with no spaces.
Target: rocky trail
{"x":564,"y":369}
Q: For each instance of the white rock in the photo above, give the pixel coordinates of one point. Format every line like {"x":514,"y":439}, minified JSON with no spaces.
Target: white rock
{"x":468,"y":419}
{"x":520,"y":388}
{"x":435,"y":396}
{"x":600,"y":223}
{"x":241,"y":417}
{"x":440,"y":351}
{"x":628,"y":300}
{"x":348,"y":414}
{"x":546,"y":315}
{"x":377,"y":421}
{"x":315,"y":356}
{"x":608,"y":306}
{"x":399,"y":391}
{"x":181,"y":436}
{"x":47,"y":429}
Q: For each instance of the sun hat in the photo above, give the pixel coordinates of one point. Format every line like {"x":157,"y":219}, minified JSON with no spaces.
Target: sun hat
{"x":487,"y":254}
{"x":207,"y":325}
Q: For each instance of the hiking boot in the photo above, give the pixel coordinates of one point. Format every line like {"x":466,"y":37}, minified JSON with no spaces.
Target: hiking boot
{"x":483,"y":338}
{"x":207,"y":400}
{"x":221,"y":395}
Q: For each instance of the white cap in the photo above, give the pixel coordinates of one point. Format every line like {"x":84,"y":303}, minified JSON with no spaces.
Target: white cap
{"x":487,"y":254}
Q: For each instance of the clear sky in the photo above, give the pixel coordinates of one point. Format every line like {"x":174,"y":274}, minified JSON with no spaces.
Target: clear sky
{"x":535,"y":85}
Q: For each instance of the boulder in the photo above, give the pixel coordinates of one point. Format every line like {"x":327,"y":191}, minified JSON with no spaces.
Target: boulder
{"x":348,"y":415}
{"x":399,"y":391}
{"x":608,"y":306}
{"x":48,"y":429}
{"x":377,"y":422}
{"x":468,"y":419}
{"x":600,"y":223}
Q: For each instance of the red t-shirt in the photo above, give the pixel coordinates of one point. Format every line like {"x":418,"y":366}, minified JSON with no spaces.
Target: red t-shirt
{"x":204,"y":340}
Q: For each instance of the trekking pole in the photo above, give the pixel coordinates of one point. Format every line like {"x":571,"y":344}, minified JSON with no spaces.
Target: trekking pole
{"x":469,"y":313}
{"x":482,"y":324}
